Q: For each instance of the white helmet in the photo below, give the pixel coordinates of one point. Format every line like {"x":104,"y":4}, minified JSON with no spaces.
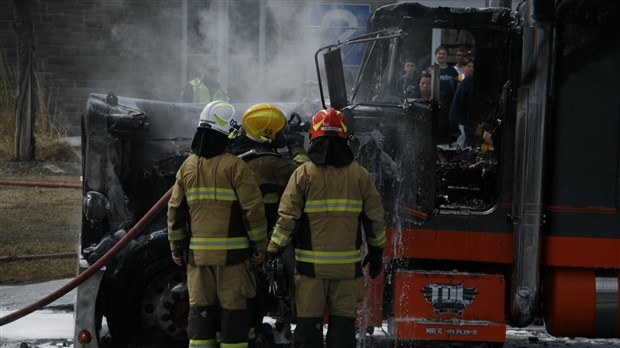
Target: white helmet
{"x":217,"y":115}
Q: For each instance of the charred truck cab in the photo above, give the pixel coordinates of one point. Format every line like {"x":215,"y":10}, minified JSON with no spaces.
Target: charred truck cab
{"x":132,"y":149}
{"x":522,"y":221}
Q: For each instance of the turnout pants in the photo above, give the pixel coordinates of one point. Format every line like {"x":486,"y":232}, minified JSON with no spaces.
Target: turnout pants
{"x":231,"y":286}
{"x":341,"y":298}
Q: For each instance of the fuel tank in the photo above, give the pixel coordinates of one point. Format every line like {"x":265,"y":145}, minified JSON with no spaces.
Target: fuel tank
{"x":581,"y":302}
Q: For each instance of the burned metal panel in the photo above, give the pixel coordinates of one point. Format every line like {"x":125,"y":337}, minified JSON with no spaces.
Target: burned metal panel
{"x":125,"y":146}
{"x":474,"y":18}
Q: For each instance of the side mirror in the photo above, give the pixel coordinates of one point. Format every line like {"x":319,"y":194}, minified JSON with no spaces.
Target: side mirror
{"x":335,"y":79}
{"x":95,"y":206}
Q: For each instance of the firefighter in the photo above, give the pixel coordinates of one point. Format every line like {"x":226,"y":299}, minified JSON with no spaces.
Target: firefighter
{"x":219,"y":194}
{"x":204,"y":88}
{"x":325,"y":206}
{"x":261,"y":134}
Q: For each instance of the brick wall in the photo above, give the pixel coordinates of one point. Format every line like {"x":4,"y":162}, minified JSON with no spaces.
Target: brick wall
{"x":134,"y":48}
{"x":84,"y":46}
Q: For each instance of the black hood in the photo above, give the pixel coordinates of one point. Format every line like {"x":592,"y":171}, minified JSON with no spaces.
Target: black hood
{"x":330,"y":150}
{"x":208,"y":143}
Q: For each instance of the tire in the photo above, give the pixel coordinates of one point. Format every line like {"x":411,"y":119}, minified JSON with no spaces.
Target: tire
{"x":139,"y":306}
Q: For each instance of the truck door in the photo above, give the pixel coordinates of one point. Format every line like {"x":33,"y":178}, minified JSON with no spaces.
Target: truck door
{"x":392,"y":132}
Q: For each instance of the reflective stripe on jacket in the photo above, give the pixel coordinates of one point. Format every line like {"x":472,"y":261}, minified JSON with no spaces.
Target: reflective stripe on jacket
{"x":201,"y":93}
{"x":226,"y":210}
{"x":323,"y":208}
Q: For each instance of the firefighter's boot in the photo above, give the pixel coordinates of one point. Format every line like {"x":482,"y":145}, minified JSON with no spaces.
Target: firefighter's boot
{"x":341,"y":332}
{"x":309,"y":332}
{"x":235,"y":327}
{"x":202,"y":324}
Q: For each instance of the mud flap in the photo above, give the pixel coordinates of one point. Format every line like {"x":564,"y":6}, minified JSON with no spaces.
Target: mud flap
{"x":448,"y":306}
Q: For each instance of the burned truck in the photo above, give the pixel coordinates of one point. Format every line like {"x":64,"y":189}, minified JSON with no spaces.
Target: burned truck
{"x":132,"y":149}
{"x":521,"y":223}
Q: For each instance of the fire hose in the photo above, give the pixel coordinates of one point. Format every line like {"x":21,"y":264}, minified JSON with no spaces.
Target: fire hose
{"x":39,"y":184}
{"x":139,"y":226}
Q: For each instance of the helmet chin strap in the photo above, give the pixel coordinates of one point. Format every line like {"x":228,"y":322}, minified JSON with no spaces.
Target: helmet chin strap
{"x":279,"y":141}
{"x":261,"y":139}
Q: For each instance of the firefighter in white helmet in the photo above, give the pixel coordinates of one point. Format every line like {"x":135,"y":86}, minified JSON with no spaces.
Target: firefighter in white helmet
{"x":216,"y":194}
{"x":324,"y":206}
{"x":261,"y":135}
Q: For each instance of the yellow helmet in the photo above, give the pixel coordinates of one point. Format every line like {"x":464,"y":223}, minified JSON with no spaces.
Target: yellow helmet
{"x":263,"y":120}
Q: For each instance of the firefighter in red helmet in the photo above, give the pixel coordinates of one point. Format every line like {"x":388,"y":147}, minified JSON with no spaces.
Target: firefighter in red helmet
{"x":326,"y":205}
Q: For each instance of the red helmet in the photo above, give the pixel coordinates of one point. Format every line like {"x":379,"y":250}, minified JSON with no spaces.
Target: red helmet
{"x":328,"y":122}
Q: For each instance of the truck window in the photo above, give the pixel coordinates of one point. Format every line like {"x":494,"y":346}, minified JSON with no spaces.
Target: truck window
{"x":439,"y":98}
{"x":431,"y":65}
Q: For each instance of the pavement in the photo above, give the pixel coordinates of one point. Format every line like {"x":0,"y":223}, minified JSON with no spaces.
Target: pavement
{"x":52,"y":326}
{"x":13,"y":297}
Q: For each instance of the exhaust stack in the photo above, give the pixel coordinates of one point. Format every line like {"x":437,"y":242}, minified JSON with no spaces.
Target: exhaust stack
{"x":531,"y":123}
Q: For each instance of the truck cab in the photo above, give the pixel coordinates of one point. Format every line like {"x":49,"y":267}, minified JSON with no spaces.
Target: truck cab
{"x":481,"y":236}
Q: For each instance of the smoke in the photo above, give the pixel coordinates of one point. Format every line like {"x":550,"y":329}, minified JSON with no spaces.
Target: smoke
{"x":270,"y":50}
{"x":137,"y":49}
{"x":150,"y":49}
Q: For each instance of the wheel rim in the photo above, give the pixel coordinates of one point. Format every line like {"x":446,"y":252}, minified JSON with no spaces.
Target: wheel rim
{"x":164,"y":310}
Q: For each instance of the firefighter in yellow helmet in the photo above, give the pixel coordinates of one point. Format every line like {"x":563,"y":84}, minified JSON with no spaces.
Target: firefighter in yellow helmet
{"x":216,"y":194}
{"x":261,"y":134}
{"x":325,"y":205}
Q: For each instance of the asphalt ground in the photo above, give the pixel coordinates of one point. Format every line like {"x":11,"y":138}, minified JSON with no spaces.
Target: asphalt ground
{"x":52,"y":326}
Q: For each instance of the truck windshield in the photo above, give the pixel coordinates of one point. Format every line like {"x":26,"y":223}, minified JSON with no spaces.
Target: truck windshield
{"x":393,"y":69}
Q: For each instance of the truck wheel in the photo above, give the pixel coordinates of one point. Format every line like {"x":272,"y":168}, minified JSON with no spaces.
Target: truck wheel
{"x":141,"y":308}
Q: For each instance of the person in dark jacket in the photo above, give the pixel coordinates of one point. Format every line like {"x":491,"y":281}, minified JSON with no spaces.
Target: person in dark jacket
{"x":324,"y":206}
{"x":462,"y":117}
{"x":407,"y":84}
{"x":216,"y":194}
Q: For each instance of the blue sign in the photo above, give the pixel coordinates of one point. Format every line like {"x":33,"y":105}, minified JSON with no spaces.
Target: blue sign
{"x":339,"y":22}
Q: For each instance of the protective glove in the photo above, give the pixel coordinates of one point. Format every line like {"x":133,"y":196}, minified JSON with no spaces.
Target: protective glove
{"x":375,"y":258}
{"x":179,"y":256}
{"x":257,"y":258}
{"x":295,"y":141}
{"x":270,"y":256}
{"x":180,"y":250}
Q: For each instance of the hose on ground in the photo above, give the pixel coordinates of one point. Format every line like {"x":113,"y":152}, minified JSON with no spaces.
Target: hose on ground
{"x":139,"y":226}
{"x":39,"y":184}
